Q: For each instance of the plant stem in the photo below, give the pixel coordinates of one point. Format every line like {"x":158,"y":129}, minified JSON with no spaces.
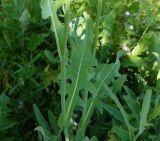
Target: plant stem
{"x":136,"y":137}
{"x":84,"y":112}
{"x":145,"y":31}
{"x":99,"y":10}
{"x":56,"y":34}
{"x":85,"y":107}
{"x":64,"y":59}
{"x":63,"y":87}
{"x":66,"y":135}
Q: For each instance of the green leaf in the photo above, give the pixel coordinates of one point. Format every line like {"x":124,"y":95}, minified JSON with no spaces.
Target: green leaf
{"x":35,"y":40}
{"x":43,"y":132}
{"x":53,"y":138}
{"x":24,"y":19}
{"x":46,"y":8}
{"x":120,"y":132}
{"x":53,"y":122}
{"x":130,"y":92}
{"x":156,"y":43}
{"x":118,"y":83}
{"x":5,"y":121}
{"x":85,"y":139}
{"x":91,"y":104}
{"x":123,"y":112}
{"x":78,"y":70}
{"x":114,"y":112}
{"x":145,"y":110}
{"x":41,"y":121}
{"x":49,"y":10}
{"x":50,"y":56}
{"x":3,"y":105}
{"x":79,"y":135}
{"x":155,"y":113}
{"x":133,"y":61}
{"x":94,"y":138}
{"x":133,"y":105}
{"x":105,"y":73}
{"x":138,"y":49}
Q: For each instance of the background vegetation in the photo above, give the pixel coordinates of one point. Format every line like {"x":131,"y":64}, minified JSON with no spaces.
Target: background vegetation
{"x":128,"y":106}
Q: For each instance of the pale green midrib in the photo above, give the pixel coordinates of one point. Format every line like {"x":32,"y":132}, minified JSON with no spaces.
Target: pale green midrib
{"x":75,"y":88}
{"x":62,"y":57}
{"x":56,"y":33}
{"x":97,"y":94}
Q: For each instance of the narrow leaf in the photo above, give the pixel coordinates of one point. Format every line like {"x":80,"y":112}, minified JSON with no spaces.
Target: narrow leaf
{"x":50,"y":56}
{"x":145,"y":110}
{"x":114,"y":112}
{"x":53,"y":122}
{"x":120,"y":132}
{"x":49,"y":10}
{"x":133,"y":105}
{"x":43,"y":132}
{"x":123,"y":112}
{"x":41,"y":121}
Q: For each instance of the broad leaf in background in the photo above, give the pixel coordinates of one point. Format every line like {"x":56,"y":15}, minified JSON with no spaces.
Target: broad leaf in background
{"x":24,"y":19}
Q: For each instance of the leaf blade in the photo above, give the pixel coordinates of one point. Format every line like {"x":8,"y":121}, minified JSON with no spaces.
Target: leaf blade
{"x":144,"y":111}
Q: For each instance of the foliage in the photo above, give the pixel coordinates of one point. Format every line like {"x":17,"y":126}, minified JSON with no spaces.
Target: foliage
{"x":79,"y":70}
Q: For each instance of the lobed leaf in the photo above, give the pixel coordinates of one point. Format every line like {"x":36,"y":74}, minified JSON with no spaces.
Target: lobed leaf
{"x":81,"y":62}
{"x":49,"y":10}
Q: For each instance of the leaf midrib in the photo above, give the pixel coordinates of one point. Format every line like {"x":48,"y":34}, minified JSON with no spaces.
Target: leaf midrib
{"x":56,"y":33}
{"x":98,"y":92}
{"x":76,"y":83}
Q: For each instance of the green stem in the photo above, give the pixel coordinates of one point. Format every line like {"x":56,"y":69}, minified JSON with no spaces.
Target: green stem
{"x":84,"y":113}
{"x":136,"y":137}
{"x":145,"y":31}
{"x":56,"y":34}
{"x":99,"y":10}
{"x":85,"y":107}
{"x":66,"y":134}
{"x":63,"y":87}
{"x":64,"y":59}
